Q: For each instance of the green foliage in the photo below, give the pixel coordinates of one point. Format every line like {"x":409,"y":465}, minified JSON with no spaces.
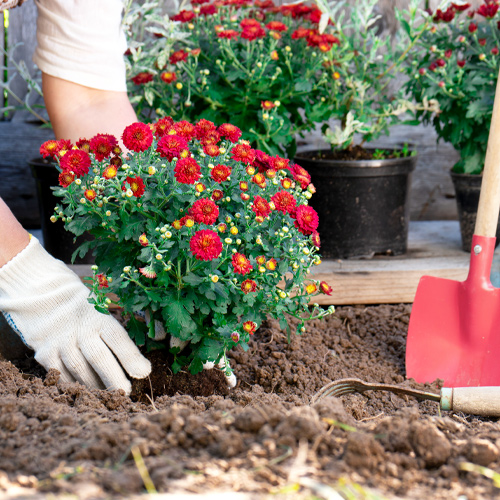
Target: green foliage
{"x":273,"y":87}
{"x":360,"y":86}
{"x":456,"y":63}
{"x":144,"y":237}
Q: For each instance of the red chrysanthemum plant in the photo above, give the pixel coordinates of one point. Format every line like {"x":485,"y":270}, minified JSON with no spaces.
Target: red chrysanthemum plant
{"x":456,"y":64}
{"x":215,"y":58}
{"x":194,"y":226}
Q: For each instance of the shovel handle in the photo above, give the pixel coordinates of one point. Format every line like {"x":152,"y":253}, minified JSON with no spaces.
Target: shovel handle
{"x":483,"y":401}
{"x":489,"y":199}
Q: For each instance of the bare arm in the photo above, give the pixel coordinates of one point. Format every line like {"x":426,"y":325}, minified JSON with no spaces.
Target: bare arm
{"x":76,"y":111}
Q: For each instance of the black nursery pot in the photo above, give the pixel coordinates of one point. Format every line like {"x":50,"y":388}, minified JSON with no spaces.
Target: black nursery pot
{"x":56,"y":240}
{"x":363,"y":205}
{"x":467,"y":191}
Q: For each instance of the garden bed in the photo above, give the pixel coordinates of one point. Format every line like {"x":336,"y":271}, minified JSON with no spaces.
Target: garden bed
{"x":262,"y":437}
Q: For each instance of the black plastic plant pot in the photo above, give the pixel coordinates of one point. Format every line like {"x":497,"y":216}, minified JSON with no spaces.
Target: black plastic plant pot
{"x":56,"y":240}
{"x":363,"y":205}
{"x":467,"y":191}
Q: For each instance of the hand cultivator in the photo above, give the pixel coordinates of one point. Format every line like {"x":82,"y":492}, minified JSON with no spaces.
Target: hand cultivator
{"x":475,"y":400}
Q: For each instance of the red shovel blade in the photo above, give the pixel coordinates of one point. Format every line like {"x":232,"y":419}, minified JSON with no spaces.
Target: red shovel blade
{"x":454,"y":330}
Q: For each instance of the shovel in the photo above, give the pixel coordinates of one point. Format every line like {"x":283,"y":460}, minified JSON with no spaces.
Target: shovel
{"x":454,"y":329}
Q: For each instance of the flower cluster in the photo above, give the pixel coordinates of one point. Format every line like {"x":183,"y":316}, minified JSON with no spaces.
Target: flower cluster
{"x":456,"y":63}
{"x":194,"y":227}
{"x":256,"y":65}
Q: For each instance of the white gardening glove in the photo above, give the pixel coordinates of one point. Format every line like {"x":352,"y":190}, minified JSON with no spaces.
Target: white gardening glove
{"x":160,"y":334}
{"x":46,"y":304}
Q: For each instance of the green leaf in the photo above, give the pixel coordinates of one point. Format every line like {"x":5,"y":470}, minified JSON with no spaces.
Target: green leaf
{"x":178,"y":319}
{"x":137,"y":331}
{"x":303,"y":86}
{"x":192,"y":279}
{"x":210,"y":349}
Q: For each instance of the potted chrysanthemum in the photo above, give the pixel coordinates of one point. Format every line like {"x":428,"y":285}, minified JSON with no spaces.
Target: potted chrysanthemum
{"x":456,"y":62}
{"x":195,"y":228}
{"x":255,"y":64}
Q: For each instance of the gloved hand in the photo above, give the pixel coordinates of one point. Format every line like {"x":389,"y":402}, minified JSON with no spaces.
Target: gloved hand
{"x":160,"y":334}
{"x":46,"y":304}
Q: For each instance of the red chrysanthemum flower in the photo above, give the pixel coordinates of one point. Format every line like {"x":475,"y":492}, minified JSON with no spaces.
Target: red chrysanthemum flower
{"x":142,"y":78}
{"x":228,"y":34}
{"x":262,"y":161}
{"x":180,"y":55}
{"x":187,"y":220}
{"x":65,"y":145}
{"x":110,"y":172}
{"x":488,"y":9}
{"x":168,"y":76}
{"x":250,"y":327}
{"x":265,"y":4}
{"x":195,"y":52}
{"x":184,"y":16}
{"x":211,"y":137}
{"x":185,"y":129}
{"x":325,"y":288}
{"x":206,"y":245}
{"x":171,"y":146}
{"x":460,"y":6}
{"x":271,"y":264}
{"x":276,"y":26}
{"x":102,"y":280}
{"x":243,"y":153}
{"x":116,"y":161}
{"x":311,"y":288}
{"x":211,"y":150}
{"x":83,"y":144}
{"x":136,"y":185}
{"x":137,"y":137}
{"x":278,"y":163}
{"x":102,"y":145}
{"x":241,"y":264}
{"x":286,"y":183}
{"x":316,"y":241}
{"x":301,"y":175}
{"x":66,"y":178}
{"x":49,"y":148}
{"x":217,"y":194}
{"x":249,"y":22}
{"x":267,"y":104}
{"x":248,"y":286}
{"x":284,"y":202}
{"x":187,"y":171}
{"x":261,"y":207}
{"x":231,"y":132}
{"x":208,"y":10}
{"x":163,"y":126}
{"x":143,"y":240}
{"x":261,"y":260}
{"x":204,"y":128}
{"x":259,"y":179}
{"x":76,"y":161}
{"x":252,"y":33}
{"x":204,"y":211}
{"x":220,"y":173}
{"x":244,"y":185}
{"x":315,"y":16}
{"x":90,"y":194}
{"x":300,"y":32}
{"x":306,"y":219}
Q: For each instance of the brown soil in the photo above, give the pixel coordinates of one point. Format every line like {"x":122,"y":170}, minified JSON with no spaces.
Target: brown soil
{"x":262,"y":437}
